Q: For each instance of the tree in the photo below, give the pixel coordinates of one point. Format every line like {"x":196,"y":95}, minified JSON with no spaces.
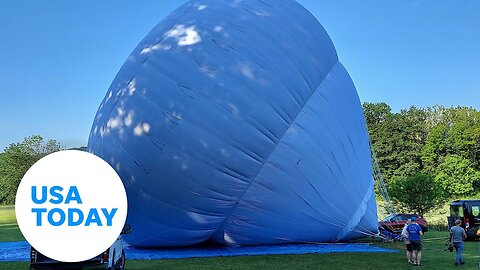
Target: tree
{"x":81,"y":148}
{"x":438,"y":141}
{"x":397,"y":138}
{"x":412,"y":133}
{"x":453,"y":131}
{"x":456,"y":176}
{"x":17,"y":159}
{"x":435,"y":148}
{"x":418,"y":193}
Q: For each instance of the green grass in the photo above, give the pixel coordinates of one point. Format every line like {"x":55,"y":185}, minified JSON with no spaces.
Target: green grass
{"x":433,"y":256}
{"x":9,"y":230}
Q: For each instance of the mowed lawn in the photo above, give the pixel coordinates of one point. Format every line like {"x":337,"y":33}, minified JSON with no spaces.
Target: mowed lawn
{"x":9,"y":230}
{"x":433,"y":252}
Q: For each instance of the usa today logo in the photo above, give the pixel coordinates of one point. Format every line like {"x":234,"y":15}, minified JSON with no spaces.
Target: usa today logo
{"x":71,"y":206}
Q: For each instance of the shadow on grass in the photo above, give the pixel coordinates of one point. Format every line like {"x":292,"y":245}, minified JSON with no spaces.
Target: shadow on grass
{"x":10,"y":232}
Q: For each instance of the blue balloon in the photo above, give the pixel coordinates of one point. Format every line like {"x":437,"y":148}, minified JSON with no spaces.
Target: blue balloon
{"x":234,"y":122}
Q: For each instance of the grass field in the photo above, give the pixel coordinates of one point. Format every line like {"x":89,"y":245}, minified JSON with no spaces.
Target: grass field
{"x":434,"y":256}
{"x":9,"y":231}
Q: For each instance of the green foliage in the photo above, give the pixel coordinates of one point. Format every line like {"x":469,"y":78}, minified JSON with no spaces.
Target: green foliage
{"x":17,"y":159}
{"x":419,"y":193}
{"x":81,"y":148}
{"x":456,"y":176}
{"x":453,"y":131}
{"x":442,"y":142}
{"x":397,"y":138}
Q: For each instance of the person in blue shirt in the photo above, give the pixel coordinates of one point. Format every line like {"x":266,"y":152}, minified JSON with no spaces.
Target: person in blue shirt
{"x":414,"y":232}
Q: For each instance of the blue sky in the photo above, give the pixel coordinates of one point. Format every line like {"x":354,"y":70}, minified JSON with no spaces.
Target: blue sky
{"x":58,"y":58}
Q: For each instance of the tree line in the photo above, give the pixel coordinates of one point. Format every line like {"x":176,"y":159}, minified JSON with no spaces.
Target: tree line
{"x":427,"y":155}
{"x":17,"y":158}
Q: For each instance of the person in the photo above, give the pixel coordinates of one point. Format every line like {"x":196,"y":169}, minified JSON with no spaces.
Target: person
{"x":407,"y":241}
{"x":414,"y":232}
{"x":457,"y":235}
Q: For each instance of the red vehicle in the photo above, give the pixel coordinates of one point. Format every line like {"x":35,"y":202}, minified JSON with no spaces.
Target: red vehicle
{"x":395,"y":223}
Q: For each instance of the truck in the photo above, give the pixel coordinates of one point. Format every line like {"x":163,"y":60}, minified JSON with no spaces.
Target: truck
{"x":113,"y":258}
{"x":468,"y":211}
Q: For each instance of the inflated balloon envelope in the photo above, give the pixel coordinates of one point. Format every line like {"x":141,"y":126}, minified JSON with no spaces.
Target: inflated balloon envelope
{"x":234,"y":122}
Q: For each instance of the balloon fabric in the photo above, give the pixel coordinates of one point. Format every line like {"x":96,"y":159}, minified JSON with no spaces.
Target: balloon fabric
{"x":234,"y":122}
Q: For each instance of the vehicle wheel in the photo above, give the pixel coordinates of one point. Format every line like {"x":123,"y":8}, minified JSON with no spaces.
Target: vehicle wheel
{"x":120,"y":265}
